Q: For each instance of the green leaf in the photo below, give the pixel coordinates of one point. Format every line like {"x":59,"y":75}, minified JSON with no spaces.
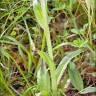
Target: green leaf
{"x":60,"y":6}
{"x":39,"y":13}
{"x":94,"y":36}
{"x":73,"y":1}
{"x":48,"y":60}
{"x":43,"y":80}
{"x":75,"y":77}
{"x":79,"y":43}
{"x":88,"y":90}
{"x":52,"y":69}
{"x":63,"y":64}
{"x":78,"y":31}
{"x":40,"y":10}
{"x":13,"y":33}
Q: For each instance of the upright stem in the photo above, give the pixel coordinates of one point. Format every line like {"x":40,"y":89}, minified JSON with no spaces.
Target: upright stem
{"x":46,"y":29}
{"x":48,"y":40}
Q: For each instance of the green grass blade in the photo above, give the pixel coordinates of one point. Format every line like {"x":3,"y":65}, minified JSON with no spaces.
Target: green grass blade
{"x":14,"y":22}
{"x":4,"y":84}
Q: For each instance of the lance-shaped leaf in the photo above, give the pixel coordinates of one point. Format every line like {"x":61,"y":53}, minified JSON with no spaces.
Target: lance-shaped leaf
{"x":88,"y":90}
{"x":43,"y":80}
{"x":63,"y":64}
{"x":52,"y":68}
{"x":75,"y":77}
{"x":40,"y":12}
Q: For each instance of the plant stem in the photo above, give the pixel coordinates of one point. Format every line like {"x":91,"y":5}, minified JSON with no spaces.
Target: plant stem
{"x":49,"y":45}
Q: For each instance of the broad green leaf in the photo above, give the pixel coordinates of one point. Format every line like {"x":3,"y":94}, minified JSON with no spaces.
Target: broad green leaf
{"x":75,"y":77}
{"x":43,"y":81}
{"x":39,"y":14}
{"x":51,"y":66}
{"x":88,"y":90}
{"x":63,"y":64}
